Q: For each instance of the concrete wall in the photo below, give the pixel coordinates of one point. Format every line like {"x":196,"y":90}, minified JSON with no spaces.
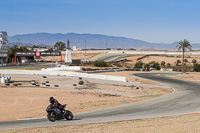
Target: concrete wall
{"x":63,"y":73}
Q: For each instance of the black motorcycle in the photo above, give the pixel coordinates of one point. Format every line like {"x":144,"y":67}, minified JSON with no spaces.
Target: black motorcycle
{"x":58,"y":114}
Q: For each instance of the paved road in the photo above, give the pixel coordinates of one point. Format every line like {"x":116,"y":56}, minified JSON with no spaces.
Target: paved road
{"x":112,"y":57}
{"x":41,"y":64}
{"x":185,"y":99}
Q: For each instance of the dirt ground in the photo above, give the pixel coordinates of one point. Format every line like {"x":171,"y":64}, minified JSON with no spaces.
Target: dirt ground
{"x":177,"y":124}
{"x":189,"y":76}
{"x":79,"y":98}
{"x":173,"y":124}
{"x":168,"y":59}
{"x":129,"y":76}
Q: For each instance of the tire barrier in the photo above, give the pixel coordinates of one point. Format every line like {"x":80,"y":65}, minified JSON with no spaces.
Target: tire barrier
{"x":5,"y":79}
{"x":81,"y":83}
{"x":74,"y":84}
{"x":136,"y":69}
{"x":62,"y":73}
{"x":33,"y":82}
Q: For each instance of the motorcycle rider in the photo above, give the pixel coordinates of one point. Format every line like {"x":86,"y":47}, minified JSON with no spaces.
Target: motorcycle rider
{"x":55,"y":105}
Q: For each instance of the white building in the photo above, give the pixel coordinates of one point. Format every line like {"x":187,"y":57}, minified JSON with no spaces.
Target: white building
{"x":74,"y":48}
{"x":3,"y":46}
{"x":3,"y":38}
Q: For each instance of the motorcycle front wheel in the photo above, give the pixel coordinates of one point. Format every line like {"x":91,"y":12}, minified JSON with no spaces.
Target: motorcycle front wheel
{"x":51,"y":117}
{"x":68,"y":115}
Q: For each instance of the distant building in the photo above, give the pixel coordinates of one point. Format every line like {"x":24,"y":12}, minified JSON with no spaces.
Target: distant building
{"x":3,"y":46}
{"x":40,"y":49}
{"x":3,"y":38}
{"x":74,"y":48}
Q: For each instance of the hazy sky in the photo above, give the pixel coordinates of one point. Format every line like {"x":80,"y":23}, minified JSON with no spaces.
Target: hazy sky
{"x":159,"y":21}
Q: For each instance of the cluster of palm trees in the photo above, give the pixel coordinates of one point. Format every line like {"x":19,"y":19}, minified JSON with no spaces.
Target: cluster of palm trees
{"x":184,"y":45}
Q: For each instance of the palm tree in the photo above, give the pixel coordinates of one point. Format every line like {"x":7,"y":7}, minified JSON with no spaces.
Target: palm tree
{"x":185,"y":44}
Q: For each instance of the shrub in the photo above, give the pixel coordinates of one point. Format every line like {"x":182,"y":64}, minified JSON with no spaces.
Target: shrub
{"x":100,"y":64}
{"x":177,"y":62}
{"x":185,"y":61}
{"x":147,"y":67}
{"x":194,"y":61}
{"x":162,"y":63}
{"x":197,"y":67}
{"x":155,"y":65}
{"x":139,"y":64}
{"x":168,"y":65}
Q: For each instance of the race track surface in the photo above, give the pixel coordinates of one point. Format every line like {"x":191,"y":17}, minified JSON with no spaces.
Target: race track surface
{"x":185,"y":99}
{"x":112,"y":57}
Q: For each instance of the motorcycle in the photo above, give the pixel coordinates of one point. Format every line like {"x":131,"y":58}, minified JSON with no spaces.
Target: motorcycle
{"x":58,"y":114}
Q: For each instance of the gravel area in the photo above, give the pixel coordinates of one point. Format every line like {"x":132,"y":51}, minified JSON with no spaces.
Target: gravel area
{"x":171,"y":124}
{"x":80,"y":98}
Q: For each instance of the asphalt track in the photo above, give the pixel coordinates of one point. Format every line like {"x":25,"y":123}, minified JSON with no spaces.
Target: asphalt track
{"x":184,"y":100}
{"x":112,"y":57}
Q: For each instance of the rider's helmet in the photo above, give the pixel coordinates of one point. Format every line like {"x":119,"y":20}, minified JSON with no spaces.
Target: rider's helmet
{"x":51,"y":100}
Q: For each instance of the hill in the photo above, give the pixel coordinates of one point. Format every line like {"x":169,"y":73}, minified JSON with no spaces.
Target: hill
{"x":96,"y":41}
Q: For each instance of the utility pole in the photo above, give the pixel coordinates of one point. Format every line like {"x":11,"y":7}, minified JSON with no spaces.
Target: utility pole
{"x":18,"y":41}
{"x":85,"y":46}
{"x":106,"y":45}
{"x":68,"y":47}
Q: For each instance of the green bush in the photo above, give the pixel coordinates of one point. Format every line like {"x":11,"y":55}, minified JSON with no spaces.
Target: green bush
{"x":155,"y":65}
{"x":147,"y":67}
{"x":162,"y":63}
{"x":194,"y":61}
{"x":168,"y":65}
{"x":100,"y":64}
{"x":197,"y":67}
{"x":139,"y":64}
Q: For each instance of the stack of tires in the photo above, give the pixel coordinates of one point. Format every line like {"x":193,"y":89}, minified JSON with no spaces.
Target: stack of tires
{"x":5,"y":79}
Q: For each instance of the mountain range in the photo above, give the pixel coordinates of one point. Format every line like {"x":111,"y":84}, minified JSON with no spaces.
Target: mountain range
{"x":89,"y":41}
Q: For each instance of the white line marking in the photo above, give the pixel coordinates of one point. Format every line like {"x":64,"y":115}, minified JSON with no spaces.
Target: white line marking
{"x":31,"y":118}
{"x":173,"y":90}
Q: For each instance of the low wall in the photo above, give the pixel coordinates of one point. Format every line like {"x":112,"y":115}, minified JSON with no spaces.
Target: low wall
{"x":62,"y":67}
{"x":64,"y":73}
{"x":166,"y":69}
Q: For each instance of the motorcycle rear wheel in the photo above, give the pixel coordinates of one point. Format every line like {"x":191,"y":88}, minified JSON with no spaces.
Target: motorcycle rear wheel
{"x":68,"y":115}
{"x":51,"y":117}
